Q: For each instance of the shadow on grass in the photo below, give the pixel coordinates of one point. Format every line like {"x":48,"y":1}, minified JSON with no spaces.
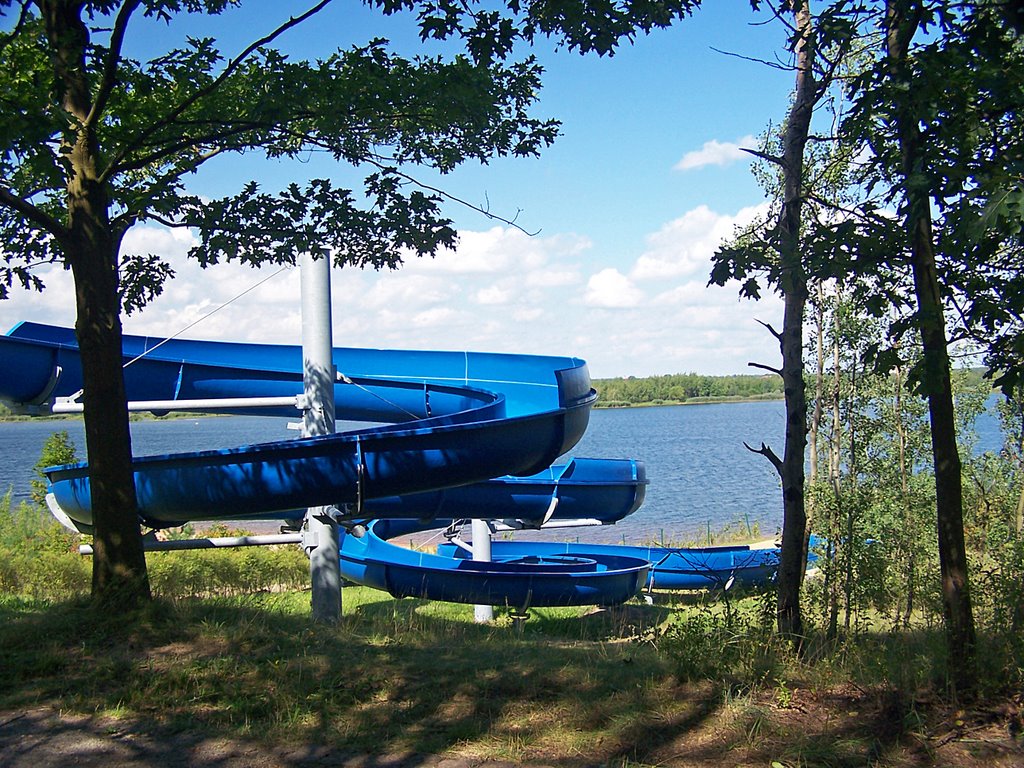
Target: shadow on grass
{"x":404,"y":679}
{"x":391,"y":679}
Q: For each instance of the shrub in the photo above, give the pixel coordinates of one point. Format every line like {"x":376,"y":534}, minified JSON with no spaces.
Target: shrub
{"x":38,"y":557}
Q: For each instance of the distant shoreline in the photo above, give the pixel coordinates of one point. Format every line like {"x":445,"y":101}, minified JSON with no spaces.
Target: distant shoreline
{"x":692,"y":401}
{"x":134,"y":416}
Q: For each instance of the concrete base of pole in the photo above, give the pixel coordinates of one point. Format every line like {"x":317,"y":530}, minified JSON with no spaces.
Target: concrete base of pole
{"x":481,"y":532}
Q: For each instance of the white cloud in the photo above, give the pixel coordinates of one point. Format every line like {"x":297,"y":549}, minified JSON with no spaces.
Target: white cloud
{"x":551,"y":295}
{"x":716,"y":152}
{"x":410,"y":292}
{"x":610,"y":289}
{"x":494,"y":251}
{"x":493,"y":295}
{"x":684,"y":247}
{"x":169,"y":243}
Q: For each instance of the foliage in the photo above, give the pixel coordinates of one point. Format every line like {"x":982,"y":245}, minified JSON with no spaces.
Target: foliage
{"x":961,"y":80}
{"x":58,"y":449}
{"x":683,"y":387}
{"x":163,"y":119}
{"x":219,"y":572}
{"x":38,"y":557}
{"x":716,"y":639}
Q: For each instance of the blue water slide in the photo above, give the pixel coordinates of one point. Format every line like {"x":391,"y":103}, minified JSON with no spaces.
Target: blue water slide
{"x":455,"y":418}
{"x":671,"y":567}
{"x":591,"y":491}
{"x":598,"y":490}
{"x":464,"y":434}
{"x":516,"y":582}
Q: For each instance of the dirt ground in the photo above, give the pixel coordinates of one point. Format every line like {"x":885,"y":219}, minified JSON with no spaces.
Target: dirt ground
{"x":44,"y":738}
{"x":838,"y":729}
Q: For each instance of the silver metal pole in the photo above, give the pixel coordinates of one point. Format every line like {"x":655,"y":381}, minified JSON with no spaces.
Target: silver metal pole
{"x":482,"y":614}
{"x":216,"y":542}
{"x":208,"y":404}
{"x":318,"y":419}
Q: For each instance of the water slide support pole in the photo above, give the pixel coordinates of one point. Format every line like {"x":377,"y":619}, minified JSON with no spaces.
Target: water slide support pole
{"x":481,"y":532}
{"x":318,"y":377}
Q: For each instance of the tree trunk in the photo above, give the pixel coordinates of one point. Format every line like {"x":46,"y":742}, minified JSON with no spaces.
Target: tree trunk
{"x":819,"y":382}
{"x":835,"y":477}
{"x":814,"y":426}
{"x":908,"y":509}
{"x":119,"y":577}
{"x":90,"y":248}
{"x":937,"y":379}
{"x":792,"y":561}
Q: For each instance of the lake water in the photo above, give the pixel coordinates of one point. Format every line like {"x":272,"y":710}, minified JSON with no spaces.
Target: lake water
{"x":701,"y":475}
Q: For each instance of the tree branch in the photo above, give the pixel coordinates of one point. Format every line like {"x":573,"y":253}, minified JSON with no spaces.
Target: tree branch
{"x":453,"y":198}
{"x":34,"y":214}
{"x":765,"y":156}
{"x":114,"y":165}
{"x":22,"y":18}
{"x":772,"y":331}
{"x":110,"y":65}
{"x":186,"y":143}
{"x":763,"y":367}
{"x":773,"y":64}
{"x":768,"y":453}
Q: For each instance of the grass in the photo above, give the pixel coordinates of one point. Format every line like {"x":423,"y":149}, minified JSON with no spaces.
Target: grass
{"x":228,"y":652}
{"x":395,"y":676}
{"x":574,"y":687}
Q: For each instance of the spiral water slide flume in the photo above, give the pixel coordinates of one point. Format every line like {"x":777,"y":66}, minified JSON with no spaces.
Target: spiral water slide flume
{"x":464,"y":435}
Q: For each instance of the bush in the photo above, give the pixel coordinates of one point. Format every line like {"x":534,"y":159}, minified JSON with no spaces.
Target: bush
{"x":58,"y":449}
{"x":726,"y":642}
{"x":39,"y":558}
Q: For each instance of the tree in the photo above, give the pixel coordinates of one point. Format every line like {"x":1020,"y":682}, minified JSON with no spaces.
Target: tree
{"x":94,"y":143}
{"x":938,"y":114}
{"x":778,"y":252}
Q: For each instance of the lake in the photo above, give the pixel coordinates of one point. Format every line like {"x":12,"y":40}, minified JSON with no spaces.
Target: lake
{"x":701,"y":475}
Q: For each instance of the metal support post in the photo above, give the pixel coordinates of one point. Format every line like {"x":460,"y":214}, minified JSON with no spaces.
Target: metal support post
{"x":318,"y":419}
{"x":481,"y":531}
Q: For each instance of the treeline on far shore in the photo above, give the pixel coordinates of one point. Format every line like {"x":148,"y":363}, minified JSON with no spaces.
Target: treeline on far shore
{"x":685,"y":388}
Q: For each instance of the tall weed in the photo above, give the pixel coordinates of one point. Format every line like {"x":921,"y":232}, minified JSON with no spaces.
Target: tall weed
{"x":38,"y":558}
{"x":725,"y":640}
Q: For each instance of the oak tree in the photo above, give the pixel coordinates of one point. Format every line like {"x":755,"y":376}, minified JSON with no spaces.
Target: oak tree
{"x":93,"y":142}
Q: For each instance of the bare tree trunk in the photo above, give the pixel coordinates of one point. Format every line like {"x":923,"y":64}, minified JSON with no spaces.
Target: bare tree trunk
{"x":819,"y":382}
{"x":1020,"y":511}
{"x":814,"y":427}
{"x":792,"y":561}
{"x":938,"y":387}
{"x":90,"y":248}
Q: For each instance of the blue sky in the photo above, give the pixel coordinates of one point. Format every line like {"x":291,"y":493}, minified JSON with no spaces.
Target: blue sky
{"x":630,"y":203}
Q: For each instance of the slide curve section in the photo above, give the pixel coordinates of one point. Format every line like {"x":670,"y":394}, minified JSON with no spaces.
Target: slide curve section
{"x":450,"y":419}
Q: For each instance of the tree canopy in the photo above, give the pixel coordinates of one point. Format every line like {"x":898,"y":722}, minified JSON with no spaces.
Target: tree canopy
{"x":155,"y":123}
